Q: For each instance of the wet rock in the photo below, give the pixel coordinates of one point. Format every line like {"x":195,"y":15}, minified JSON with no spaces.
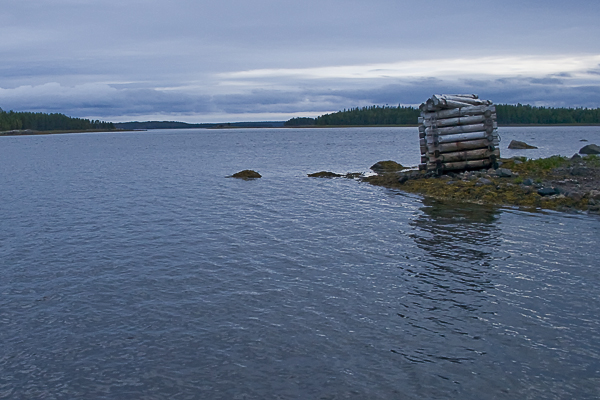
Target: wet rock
{"x":324,"y":174}
{"x":247,"y":174}
{"x":518,"y":145}
{"x":590,"y":149}
{"x":504,"y":172}
{"x":387,"y":166}
{"x":547,"y":191}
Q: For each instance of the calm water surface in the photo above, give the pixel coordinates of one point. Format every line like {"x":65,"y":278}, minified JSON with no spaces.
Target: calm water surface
{"x":131,"y":267}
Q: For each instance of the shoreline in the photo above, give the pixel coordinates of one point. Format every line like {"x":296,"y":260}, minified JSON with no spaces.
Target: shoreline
{"x":30,"y":132}
{"x":553,"y":183}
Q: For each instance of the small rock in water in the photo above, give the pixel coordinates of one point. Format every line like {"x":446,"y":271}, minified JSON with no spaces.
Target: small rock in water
{"x":247,"y":174}
{"x":518,"y":145}
{"x":324,"y":174}
{"x":590,"y":149}
{"x":387,"y":166}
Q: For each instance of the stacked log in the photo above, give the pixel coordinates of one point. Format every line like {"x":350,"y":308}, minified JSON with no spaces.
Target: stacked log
{"x":458,"y":132}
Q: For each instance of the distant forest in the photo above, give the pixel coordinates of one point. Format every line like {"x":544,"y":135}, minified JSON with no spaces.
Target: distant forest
{"x":47,"y":122}
{"x":507,"y":115}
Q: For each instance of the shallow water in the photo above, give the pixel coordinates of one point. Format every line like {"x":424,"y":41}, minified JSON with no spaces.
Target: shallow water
{"x":130,"y":267}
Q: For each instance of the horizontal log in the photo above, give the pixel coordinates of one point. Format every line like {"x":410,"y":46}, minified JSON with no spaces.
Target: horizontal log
{"x":489,"y":125}
{"x":469,"y":96}
{"x":422,"y":128}
{"x":476,"y":154}
{"x":460,"y":146}
{"x":468,"y":120}
{"x":460,"y":112}
{"x":422,"y":142}
{"x":461,"y":155}
{"x":461,"y":137}
{"x":421,"y":135}
{"x":472,"y":164}
{"x":445,"y":100}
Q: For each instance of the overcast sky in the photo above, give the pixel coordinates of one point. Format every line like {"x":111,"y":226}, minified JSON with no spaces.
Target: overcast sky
{"x":256,"y":60}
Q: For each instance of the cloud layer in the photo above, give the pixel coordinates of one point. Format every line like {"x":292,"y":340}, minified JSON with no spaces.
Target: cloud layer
{"x":236,"y":60}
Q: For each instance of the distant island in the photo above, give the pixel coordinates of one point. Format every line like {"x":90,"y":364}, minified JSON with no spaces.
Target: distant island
{"x":507,"y":115}
{"x":183,"y":125}
{"x":28,"y":123}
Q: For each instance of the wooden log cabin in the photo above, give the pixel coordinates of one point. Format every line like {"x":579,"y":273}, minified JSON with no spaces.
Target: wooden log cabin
{"x":458,"y":132}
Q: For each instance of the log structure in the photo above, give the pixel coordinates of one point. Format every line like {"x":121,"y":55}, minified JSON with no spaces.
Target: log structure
{"x":458,"y":132}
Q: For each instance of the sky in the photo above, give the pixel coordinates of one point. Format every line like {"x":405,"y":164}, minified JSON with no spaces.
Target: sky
{"x":267,"y":60}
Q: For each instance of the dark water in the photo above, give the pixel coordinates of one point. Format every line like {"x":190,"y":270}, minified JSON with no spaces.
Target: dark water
{"x":130,"y":267}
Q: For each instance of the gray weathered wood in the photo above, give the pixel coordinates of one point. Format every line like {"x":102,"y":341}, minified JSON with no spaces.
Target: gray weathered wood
{"x":473,"y":119}
{"x":472,"y":164}
{"x":460,"y":112}
{"x":445,"y":100}
{"x":460,"y":146}
{"x":453,"y":130}
{"x":462,"y":137}
{"x":476,"y":154}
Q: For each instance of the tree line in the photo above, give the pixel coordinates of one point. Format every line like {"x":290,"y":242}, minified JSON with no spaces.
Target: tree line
{"x":507,"y":114}
{"x":47,"y":122}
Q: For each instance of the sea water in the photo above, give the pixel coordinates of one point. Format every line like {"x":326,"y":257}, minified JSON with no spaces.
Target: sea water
{"x":132,"y":267}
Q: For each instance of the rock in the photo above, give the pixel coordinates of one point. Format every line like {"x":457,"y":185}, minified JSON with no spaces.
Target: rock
{"x":504,"y":172}
{"x":594,"y":194}
{"x":547,"y":191}
{"x":387,"y":166}
{"x":590,"y":149}
{"x":518,"y":145}
{"x":483,"y":181}
{"x":517,"y":162}
{"x":575,"y":196}
{"x":324,"y":174}
{"x":528,"y":182}
{"x":583,"y":140}
{"x":580,"y":171}
{"x":247,"y":174}
{"x":576,"y":157}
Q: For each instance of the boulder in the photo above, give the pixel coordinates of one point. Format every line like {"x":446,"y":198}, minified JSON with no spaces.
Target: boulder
{"x":518,"y":145}
{"x":387,"y":166}
{"x":247,"y":174}
{"x":590,"y":149}
{"x":548,"y":191}
{"x":504,"y":172}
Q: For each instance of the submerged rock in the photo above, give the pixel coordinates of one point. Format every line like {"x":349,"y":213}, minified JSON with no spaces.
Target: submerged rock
{"x":247,"y":174}
{"x":518,"y":145}
{"x":590,"y":149}
{"x":387,"y":166}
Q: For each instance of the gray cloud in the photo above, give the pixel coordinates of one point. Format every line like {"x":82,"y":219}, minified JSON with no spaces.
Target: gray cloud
{"x":122,"y":59}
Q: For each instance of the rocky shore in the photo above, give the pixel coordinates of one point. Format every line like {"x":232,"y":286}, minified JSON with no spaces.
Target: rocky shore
{"x":556,"y":183}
